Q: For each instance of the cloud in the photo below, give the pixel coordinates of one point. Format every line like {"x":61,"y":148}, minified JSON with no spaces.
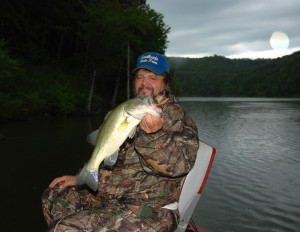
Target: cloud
{"x":227,"y":27}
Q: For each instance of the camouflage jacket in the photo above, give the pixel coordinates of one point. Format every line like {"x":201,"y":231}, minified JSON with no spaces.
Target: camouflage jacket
{"x":151,"y":166}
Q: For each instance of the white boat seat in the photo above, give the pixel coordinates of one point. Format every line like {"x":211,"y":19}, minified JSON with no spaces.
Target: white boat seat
{"x":193,"y":184}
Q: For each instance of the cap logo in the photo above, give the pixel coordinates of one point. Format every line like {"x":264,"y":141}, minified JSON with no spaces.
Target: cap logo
{"x":154,"y":62}
{"x":150,"y":59}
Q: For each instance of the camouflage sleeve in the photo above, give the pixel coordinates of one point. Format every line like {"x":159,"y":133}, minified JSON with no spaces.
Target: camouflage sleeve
{"x":172,"y":150}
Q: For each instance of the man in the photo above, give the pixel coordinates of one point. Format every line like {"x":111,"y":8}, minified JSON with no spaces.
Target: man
{"x":138,"y":193}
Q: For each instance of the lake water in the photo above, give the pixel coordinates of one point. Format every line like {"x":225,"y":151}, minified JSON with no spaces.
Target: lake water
{"x":253,"y":184}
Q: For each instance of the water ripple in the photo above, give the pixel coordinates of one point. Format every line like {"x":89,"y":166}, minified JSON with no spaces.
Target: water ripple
{"x":254,"y":181}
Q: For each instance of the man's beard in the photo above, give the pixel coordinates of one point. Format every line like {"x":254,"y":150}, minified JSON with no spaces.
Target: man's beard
{"x":140,"y":89}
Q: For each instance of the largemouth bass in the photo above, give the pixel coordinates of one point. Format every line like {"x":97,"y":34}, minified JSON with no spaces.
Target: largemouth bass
{"x":117,"y":127}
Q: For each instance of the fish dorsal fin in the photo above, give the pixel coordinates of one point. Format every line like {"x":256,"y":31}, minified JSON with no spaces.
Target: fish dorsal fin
{"x":123,"y":126}
{"x":111,"y":160}
{"x":107,"y":115}
{"x":91,"y":138}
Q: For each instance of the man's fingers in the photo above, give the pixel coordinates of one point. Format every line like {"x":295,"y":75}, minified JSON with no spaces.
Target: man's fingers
{"x":151,"y":123}
{"x":63,"y":181}
{"x":55,"y":182}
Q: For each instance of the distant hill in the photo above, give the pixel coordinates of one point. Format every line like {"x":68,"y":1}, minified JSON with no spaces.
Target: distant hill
{"x":219,"y":76}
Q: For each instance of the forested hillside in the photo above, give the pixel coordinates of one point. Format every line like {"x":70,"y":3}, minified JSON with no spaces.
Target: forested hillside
{"x":218,"y":76}
{"x":63,"y":57}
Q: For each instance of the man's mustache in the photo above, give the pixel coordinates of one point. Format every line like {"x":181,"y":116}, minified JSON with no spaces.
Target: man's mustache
{"x":145,"y":87}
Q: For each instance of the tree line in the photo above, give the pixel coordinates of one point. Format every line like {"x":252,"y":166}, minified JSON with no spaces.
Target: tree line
{"x":218,"y":76}
{"x":61,"y":57}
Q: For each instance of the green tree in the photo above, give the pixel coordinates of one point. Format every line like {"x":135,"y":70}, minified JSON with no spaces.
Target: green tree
{"x":60,"y":45}
{"x":110,"y":28}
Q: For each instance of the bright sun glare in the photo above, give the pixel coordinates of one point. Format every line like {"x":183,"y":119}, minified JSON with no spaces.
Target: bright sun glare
{"x":279,"y":41}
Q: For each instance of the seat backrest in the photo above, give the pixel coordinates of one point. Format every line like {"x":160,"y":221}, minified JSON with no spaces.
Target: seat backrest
{"x":193,"y":184}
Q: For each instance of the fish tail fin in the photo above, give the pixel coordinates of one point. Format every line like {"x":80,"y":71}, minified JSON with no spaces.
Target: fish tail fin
{"x":88,"y":177}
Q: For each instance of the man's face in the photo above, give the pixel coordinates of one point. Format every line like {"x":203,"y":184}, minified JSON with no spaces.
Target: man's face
{"x":148,"y":83}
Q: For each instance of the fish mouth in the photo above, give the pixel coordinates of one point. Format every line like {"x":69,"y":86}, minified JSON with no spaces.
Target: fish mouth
{"x":152,"y":101}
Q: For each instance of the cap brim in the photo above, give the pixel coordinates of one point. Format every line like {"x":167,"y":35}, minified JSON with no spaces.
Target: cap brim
{"x":147,"y":69}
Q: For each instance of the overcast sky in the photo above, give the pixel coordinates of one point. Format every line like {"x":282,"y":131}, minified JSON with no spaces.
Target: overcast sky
{"x":230,"y":28}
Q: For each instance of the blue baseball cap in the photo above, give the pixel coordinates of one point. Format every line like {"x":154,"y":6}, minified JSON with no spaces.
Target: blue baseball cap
{"x":153,"y":61}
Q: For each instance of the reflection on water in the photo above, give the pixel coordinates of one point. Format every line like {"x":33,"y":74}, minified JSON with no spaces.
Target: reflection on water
{"x":254,"y":181}
{"x":253,"y":184}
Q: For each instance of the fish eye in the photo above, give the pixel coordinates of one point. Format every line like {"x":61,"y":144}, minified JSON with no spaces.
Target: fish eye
{"x":141,"y":97}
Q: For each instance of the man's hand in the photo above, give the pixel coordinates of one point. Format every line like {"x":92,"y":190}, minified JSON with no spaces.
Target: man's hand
{"x":63,"y":181}
{"x":151,"y":123}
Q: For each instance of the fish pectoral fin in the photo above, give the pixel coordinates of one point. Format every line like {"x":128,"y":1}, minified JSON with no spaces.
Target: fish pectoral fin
{"x":132,"y":133}
{"x":111,"y":160}
{"x":123,"y":126}
{"x":129,"y":119}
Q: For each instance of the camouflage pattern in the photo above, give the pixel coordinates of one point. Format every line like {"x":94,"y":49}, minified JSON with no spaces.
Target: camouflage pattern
{"x":77,"y":209}
{"x":149,"y":170}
